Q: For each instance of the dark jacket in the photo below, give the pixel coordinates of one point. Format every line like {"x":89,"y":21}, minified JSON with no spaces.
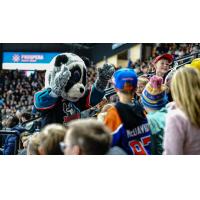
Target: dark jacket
{"x":10,"y":141}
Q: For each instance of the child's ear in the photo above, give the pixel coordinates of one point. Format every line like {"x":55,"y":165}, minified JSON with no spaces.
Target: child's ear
{"x":76,"y":150}
{"x":41,"y":150}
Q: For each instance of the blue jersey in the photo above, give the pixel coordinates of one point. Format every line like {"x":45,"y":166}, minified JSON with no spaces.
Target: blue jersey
{"x":130,"y":129}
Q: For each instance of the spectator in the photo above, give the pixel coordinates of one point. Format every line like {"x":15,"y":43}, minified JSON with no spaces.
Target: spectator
{"x":142,"y":81}
{"x":103,"y":112}
{"x":182,"y":132}
{"x":10,"y":141}
{"x":25,"y":116}
{"x":49,"y":138}
{"x":194,"y":64}
{"x":18,"y":115}
{"x":154,"y":99}
{"x":17,"y":90}
{"x":144,"y":69}
{"x":162,"y":64}
{"x":127,"y":121}
{"x":86,"y":137}
{"x":33,"y":145}
{"x":167,"y":81}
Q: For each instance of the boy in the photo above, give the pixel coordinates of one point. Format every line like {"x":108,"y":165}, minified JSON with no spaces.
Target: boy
{"x":126,"y":120}
{"x":142,"y":81}
{"x":162,"y":64}
{"x":86,"y":137}
{"x":50,"y":138}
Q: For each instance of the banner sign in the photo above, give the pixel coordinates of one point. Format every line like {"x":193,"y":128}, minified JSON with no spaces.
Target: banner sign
{"x":27,"y":61}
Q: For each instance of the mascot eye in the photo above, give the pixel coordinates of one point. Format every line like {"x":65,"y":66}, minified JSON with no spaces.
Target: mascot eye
{"x":76,"y":76}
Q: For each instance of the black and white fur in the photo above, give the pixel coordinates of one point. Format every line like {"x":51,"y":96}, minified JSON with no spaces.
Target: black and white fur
{"x":75,"y":87}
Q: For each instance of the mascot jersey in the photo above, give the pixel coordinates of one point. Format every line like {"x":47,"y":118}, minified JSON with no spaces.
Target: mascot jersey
{"x":58,"y":110}
{"x":130,"y":128}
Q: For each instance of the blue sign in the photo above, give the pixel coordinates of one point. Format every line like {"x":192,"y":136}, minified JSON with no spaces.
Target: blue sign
{"x":27,"y":60}
{"x":25,"y":57}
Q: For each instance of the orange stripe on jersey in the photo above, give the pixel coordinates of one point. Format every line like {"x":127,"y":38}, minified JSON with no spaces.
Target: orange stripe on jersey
{"x":112,"y":119}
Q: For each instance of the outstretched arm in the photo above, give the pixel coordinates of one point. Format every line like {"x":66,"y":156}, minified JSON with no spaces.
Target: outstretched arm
{"x":98,"y":89}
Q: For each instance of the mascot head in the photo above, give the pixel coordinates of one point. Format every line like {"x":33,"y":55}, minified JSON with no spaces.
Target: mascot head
{"x":75,"y":87}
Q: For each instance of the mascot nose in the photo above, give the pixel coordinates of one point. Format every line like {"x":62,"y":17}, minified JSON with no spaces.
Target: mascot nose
{"x":81,"y":90}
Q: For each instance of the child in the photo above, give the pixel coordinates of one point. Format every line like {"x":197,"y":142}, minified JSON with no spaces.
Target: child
{"x":142,"y":81}
{"x":86,"y":137}
{"x":195,"y":64}
{"x":126,"y":120}
{"x":33,"y":144}
{"x":161,"y":64}
{"x":182,"y":132}
{"x":50,"y":138}
{"x":154,"y":99}
{"x":103,"y":112}
{"x":167,"y":81}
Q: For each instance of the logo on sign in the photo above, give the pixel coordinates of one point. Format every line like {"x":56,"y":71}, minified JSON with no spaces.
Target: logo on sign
{"x":31,"y":58}
{"x":16,"y":58}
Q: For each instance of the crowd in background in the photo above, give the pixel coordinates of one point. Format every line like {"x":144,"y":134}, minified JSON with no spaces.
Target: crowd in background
{"x":176,"y":50}
{"x":151,"y":95}
{"x":17,"y":89}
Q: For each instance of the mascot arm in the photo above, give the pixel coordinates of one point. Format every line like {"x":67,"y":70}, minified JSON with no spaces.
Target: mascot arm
{"x":44,"y":100}
{"x":95,"y":96}
{"x":97,"y":91}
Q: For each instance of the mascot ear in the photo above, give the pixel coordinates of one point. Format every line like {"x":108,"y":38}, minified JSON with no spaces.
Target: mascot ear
{"x":61,"y":59}
{"x":86,"y":61}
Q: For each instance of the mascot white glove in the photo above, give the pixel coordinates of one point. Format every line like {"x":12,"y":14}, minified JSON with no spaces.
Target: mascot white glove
{"x":60,"y":81}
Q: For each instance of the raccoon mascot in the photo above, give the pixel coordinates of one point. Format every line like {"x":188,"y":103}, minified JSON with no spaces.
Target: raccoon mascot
{"x":65,"y":94}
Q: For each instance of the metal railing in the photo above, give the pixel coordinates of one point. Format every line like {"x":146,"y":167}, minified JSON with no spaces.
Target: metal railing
{"x":185,"y":60}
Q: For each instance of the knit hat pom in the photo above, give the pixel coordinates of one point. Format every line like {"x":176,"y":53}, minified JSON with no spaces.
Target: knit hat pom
{"x":154,"y":94}
{"x":156,"y":82}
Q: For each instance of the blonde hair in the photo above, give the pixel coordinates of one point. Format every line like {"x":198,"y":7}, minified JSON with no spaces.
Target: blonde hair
{"x":143,"y":79}
{"x":185,"y":88}
{"x":50,"y":137}
{"x":33,"y":144}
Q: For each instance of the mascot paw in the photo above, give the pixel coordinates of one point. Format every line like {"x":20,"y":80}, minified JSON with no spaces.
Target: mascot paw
{"x":106,"y":72}
{"x":60,"y":81}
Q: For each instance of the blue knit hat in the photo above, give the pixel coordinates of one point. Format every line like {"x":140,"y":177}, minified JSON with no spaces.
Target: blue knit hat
{"x":154,"y":95}
{"x":125,"y":79}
